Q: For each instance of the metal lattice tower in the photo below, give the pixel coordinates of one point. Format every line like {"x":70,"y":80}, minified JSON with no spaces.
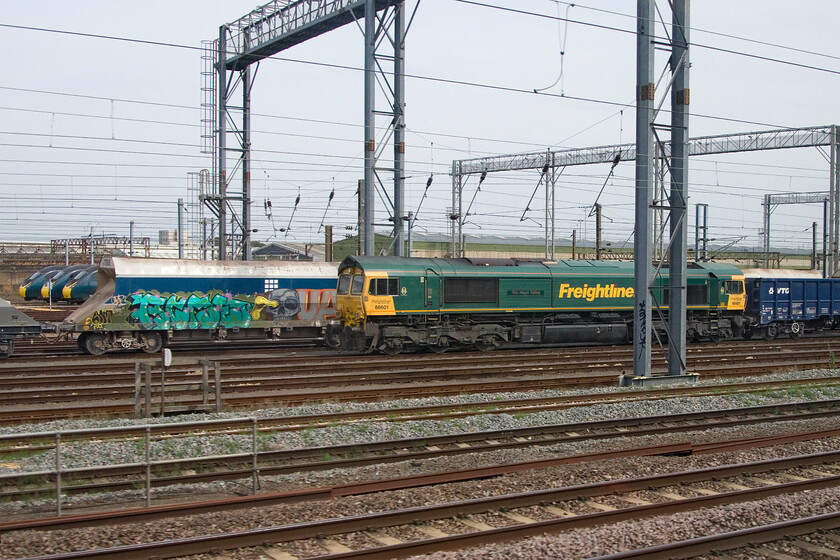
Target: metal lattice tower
{"x":201,"y":228}
{"x":207,"y":182}
{"x":272,"y":28}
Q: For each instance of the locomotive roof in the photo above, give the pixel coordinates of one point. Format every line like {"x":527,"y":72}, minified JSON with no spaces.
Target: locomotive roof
{"x":513,"y":265}
{"x":139,"y":267}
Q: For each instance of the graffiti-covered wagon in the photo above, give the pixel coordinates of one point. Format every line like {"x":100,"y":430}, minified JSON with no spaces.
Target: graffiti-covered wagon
{"x":149,"y":303}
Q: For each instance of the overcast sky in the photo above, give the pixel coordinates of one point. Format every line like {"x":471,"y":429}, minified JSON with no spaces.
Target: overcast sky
{"x":98,"y":132}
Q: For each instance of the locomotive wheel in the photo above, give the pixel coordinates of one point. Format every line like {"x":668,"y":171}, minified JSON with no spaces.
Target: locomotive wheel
{"x":345,"y":340}
{"x":151,"y":342}
{"x":769,"y":332}
{"x":715,"y":336}
{"x":94,"y":343}
{"x":392,"y":347}
{"x":486,"y":343}
{"x":441,"y":346}
{"x":795,"y":330}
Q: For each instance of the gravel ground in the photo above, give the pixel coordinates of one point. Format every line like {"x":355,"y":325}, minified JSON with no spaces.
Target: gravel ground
{"x":569,"y":545}
{"x":104,"y":453}
{"x":590,"y":542}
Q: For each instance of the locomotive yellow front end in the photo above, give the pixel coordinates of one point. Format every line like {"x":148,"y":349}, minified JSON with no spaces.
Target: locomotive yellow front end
{"x":349,"y":307}
{"x":350,"y":332}
{"x":737,"y":297}
{"x":360,"y":296}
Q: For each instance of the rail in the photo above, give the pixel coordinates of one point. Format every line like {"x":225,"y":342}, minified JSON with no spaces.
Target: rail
{"x":256,"y":463}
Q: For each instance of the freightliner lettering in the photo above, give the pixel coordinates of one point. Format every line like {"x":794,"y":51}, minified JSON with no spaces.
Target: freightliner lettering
{"x":589,"y":293}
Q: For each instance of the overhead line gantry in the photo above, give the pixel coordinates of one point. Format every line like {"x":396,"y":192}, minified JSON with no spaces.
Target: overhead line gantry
{"x":266,"y":31}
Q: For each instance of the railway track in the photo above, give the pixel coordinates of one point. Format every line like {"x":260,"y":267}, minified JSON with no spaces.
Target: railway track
{"x":58,"y":348}
{"x":253,"y":464}
{"x":51,"y":347}
{"x":284,"y":379}
{"x":399,"y":533}
{"x":776,"y":540}
{"x":43,"y":441}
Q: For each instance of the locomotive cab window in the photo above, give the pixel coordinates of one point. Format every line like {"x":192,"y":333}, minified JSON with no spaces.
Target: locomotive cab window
{"x":357,"y":284}
{"x":733,"y":287}
{"x":343,"y":285}
{"x":384,"y":287}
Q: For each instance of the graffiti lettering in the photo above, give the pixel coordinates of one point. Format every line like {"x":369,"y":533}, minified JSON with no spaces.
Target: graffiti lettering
{"x":317,"y":305}
{"x":642,"y":328}
{"x":195,"y":310}
{"x":99,"y":318}
{"x":215,"y":309}
{"x":147,"y":309}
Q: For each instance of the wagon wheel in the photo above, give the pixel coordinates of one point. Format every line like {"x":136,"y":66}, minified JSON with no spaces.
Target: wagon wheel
{"x":332,"y":340}
{"x":769,"y":332}
{"x":795,"y":330}
{"x":6,"y":348}
{"x":747,"y":332}
{"x":94,"y":343}
{"x":152,"y":342}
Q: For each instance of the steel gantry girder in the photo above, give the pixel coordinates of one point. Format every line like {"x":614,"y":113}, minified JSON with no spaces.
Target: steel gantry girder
{"x":265,"y":31}
{"x":700,"y":146}
{"x":805,"y":137}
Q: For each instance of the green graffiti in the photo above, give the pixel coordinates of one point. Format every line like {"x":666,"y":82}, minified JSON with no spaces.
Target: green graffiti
{"x":196,"y":310}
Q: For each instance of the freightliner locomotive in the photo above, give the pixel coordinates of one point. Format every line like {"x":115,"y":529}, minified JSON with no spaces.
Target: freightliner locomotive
{"x":392,"y":304}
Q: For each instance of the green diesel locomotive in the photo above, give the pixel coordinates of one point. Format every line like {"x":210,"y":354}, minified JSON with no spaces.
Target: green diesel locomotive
{"x":393,"y":304}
